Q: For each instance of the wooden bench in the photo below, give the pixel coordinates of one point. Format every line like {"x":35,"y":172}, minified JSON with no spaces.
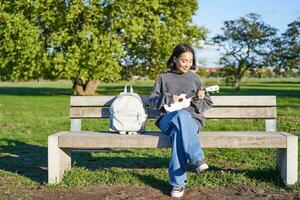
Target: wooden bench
{"x":61,"y":144}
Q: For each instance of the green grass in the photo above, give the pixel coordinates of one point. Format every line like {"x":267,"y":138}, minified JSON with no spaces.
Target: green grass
{"x":31,"y":111}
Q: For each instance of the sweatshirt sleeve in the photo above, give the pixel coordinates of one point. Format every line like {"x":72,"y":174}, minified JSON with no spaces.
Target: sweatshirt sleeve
{"x":204,"y":104}
{"x":159,"y":97}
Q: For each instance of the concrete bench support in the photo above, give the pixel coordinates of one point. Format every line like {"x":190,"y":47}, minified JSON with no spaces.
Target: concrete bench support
{"x":271,"y":125}
{"x":287,"y":160}
{"x":59,"y":159}
{"x":75,"y":125}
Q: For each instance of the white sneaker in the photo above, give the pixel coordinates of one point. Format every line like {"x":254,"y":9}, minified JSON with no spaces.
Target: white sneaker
{"x":177,"y":191}
{"x":201,"y":166}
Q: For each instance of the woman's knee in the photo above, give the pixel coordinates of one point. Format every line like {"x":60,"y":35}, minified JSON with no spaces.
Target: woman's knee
{"x":183,"y":114}
{"x":185,"y":117}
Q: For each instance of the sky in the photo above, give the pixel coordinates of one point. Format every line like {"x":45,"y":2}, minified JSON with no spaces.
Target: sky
{"x":212,"y":13}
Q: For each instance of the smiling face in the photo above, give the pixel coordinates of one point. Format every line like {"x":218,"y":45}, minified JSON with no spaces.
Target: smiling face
{"x":184,"y":62}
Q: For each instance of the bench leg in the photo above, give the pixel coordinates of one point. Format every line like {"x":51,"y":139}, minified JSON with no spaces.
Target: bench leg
{"x":270,"y":125}
{"x":59,"y":160}
{"x":75,"y":124}
{"x":287,"y":161}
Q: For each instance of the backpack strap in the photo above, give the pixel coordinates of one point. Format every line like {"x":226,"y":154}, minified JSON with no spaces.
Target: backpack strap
{"x":131,"y":89}
{"x":125,"y":89}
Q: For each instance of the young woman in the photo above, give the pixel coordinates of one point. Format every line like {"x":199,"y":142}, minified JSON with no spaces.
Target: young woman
{"x":182,"y":125}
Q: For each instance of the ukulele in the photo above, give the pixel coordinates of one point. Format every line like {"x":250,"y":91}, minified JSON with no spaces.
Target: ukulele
{"x":185,"y":99}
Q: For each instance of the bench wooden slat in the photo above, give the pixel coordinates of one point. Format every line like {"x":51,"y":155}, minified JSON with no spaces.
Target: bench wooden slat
{"x":214,"y":113}
{"x":94,"y":140}
{"x":218,"y":100}
{"x":244,"y":101}
{"x":100,"y":112}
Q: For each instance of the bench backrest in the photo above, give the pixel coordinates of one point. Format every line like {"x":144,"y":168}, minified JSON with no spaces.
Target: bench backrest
{"x":225,"y":107}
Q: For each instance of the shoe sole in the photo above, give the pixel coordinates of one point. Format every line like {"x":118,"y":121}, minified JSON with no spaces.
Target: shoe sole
{"x":203,"y":168}
{"x":177,"y":195}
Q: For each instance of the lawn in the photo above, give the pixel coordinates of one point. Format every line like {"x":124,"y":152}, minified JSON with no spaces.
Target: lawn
{"x":31,"y":111}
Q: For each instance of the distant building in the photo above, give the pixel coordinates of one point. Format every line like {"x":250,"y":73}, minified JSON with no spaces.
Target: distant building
{"x":211,"y":69}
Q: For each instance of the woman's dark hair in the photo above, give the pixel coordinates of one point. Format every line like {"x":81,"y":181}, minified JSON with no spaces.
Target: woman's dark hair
{"x":179,"y":49}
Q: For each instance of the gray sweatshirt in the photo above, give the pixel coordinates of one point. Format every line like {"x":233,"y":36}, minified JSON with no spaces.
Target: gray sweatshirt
{"x":170,"y":83}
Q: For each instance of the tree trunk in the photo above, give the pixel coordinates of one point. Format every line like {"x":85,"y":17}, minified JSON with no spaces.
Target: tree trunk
{"x":87,"y":88}
{"x":237,"y":84}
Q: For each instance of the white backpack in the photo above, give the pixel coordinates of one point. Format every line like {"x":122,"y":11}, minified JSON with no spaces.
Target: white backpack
{"x":127,"y":113}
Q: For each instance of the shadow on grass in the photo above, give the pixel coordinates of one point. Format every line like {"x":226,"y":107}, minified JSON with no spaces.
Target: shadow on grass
{"x":257,"y":91}
{"x":146,"y":90}
{"x":25,"y":159}
{"x":281,"y":82}
{"x":35,"y":91}
{"x":143,"y":91}
{"x":114,"y":90}
{"x":274,"y":86}
{"x":154,"y":182}
{"x":85,"y":159}
{"x":267,"y":175}
{"x":50,"y":91}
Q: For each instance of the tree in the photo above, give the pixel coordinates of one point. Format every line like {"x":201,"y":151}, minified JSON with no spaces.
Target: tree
{"x":292,"y":37}
{"x":21,"y":52}
{"x":136,"y":34}
{"x":247,"y":43}
{"x":82,"y":45}
{"x":202,"y":72}
{"x":151,"y":29}
{"x":92,"y":41}
{"x":286,"y":52}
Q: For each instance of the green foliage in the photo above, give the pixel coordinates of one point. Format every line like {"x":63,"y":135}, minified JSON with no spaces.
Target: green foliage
{"x":247,"y":43}
{"x":202,"y":72}
{"x":286,"y":53}
{"x":150,"y":31}
{"x":86,"y":41}
{"x":83,"y":46}
{"x":292,"y":38}
{"x":21,"y":53}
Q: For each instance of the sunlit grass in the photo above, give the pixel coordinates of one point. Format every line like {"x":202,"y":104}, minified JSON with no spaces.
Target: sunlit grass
{"x":29,"y":112}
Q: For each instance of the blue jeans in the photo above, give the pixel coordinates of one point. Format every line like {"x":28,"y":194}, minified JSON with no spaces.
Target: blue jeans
{"x":184,"y":139}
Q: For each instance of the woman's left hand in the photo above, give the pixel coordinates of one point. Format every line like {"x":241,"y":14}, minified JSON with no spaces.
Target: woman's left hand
{"x":201,"y":93}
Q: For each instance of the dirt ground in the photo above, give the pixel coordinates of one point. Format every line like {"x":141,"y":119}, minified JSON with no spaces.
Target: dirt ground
{"x":238,"y":192}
